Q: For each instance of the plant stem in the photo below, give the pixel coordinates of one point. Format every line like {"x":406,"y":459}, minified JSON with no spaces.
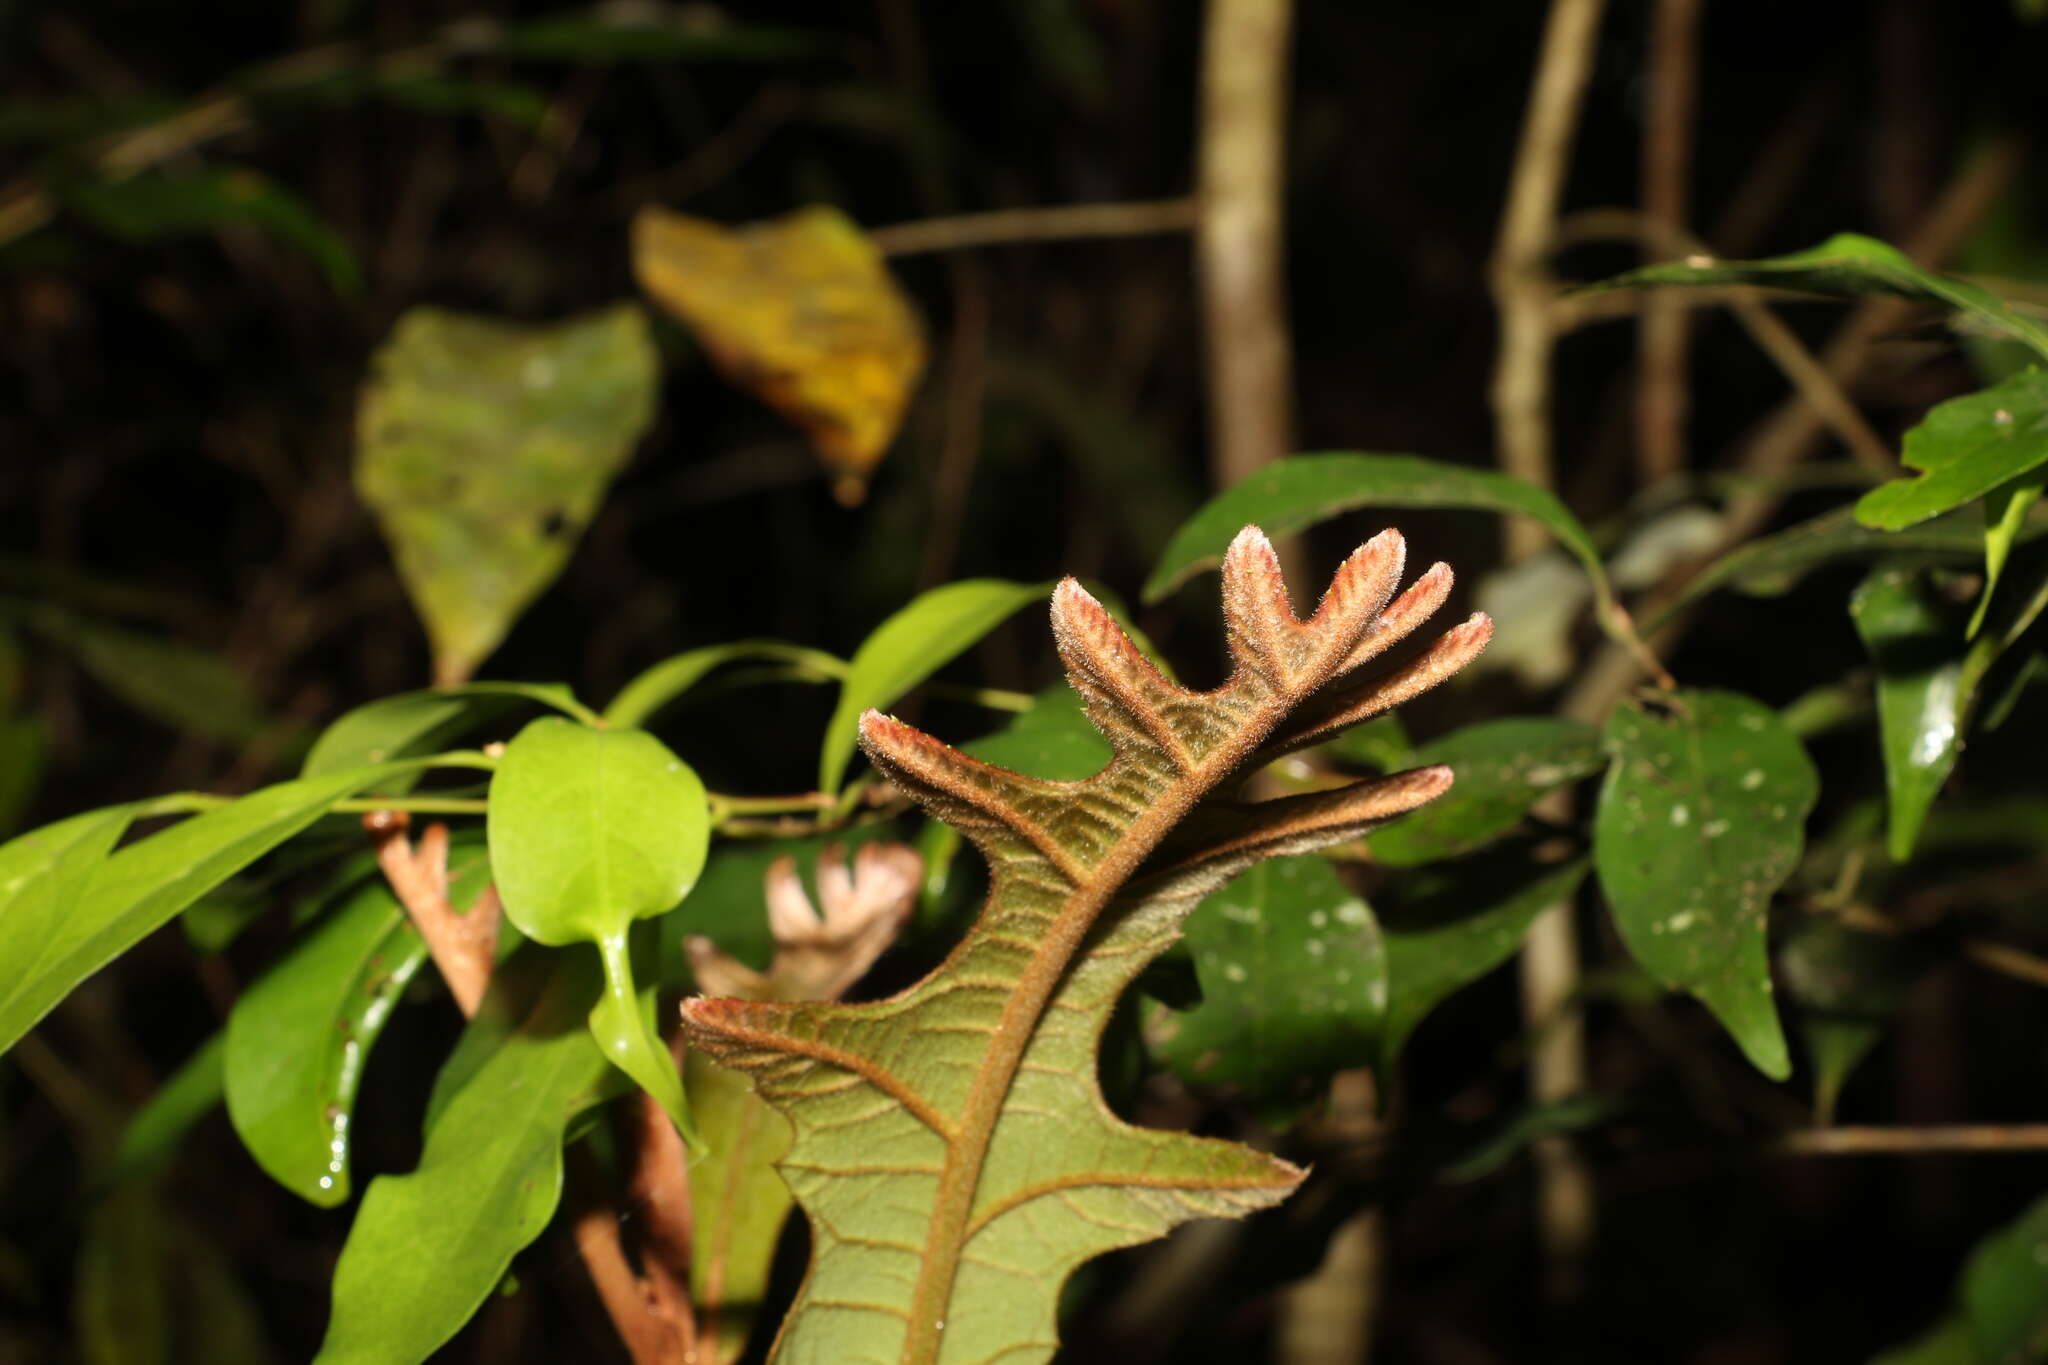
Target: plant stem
{"x":1661,"y":397}
{"x":1060,"y":223}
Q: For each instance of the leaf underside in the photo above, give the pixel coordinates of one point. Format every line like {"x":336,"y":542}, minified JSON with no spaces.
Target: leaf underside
{"x":952,"y":1147}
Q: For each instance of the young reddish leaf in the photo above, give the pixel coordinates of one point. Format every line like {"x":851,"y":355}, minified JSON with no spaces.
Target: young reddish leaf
{"x":952,"y":1147}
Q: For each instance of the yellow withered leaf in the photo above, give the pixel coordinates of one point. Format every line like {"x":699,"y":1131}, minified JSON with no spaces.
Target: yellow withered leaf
{"x":800,"y":311}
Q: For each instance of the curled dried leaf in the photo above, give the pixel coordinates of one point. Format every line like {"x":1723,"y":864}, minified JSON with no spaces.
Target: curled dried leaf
{"x":820,"y":957}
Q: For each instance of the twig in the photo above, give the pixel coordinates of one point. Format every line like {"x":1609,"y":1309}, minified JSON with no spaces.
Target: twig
{"x":464,"y":946}
{"x":1667,"y":146}
{"x":1521,"y":283}
{"x":1521,"y":409}
{"x":1011,"y":227}
{"x":1798,"y":364}
{"x":960,"y":448}
{"x":1919,"y":1141}
{"x":1238,"y":239}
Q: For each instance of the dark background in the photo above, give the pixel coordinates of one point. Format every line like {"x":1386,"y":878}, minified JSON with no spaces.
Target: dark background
{"x":176,"y":432}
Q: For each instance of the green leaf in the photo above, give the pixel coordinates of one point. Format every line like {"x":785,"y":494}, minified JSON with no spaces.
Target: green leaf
{"x":2005,"y":518}
{"x":424,"y":722}
{"x":1701,"y":818}
{"x":2003,"y":1303}
{"x":640,"y":699}
{"x":740,"y":1204}
{"x":69,"y":909}
{"x":1772,"y":564}
{"x":186,"y":688}
{"x":936,"y":628}
{"x":485,"y":447}
{"x":428,"y":1248}
{"x":1965,"y":448}
{"x":299,"y":1038}
{"x":1852,"y":266}
{"x":1525,"y":1128}
{"x":1381,"y":744}
{"x":1294,"y":983}
{"x":157,"y":205}
{"x":178,"y":1105}
{"x":1844,"y":985}
{"x":1296,"y":493}
{"x":1052,"y":740}
{"x":591,"y":830}
{"x":1502,"y":768}
{"x":23,"y":749}
{"x":1921,"y":699}
{"x":1450,"y":924}
{"x":953,"y":1149}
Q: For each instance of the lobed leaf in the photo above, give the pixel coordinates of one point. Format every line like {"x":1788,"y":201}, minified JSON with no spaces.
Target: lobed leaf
{"x":1701,"y":818}
{"x":952,"y":1148}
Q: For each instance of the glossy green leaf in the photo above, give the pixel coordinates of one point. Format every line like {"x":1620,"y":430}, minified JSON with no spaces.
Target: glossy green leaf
{"x":187,"y":1096}
{"x":936,"y":628}
{"x":1503,"y":767}
{"x":591,"y":830}
{"x":1294,"y":494}
{"x":1853,"y":266}
{"x":1964,"y":449}
{"x":484,"y":448}
{"x":186,"y":688}
{"x":1843,"y":986}
{"x":1449,"y":924}
{"x":1701,"y":819}
{"x":424,"y":722}
{"x":427,"y":1248}
{"x":1294,"y":983}
{"x":1381,"y":744}
{"x":158,"y":205}
{"x":1921,"y":699}
{"x":1052,"y":740}
{"x":668,"y":680}
{"x":739,"y":1205}
{"x":299,"y":1037}
{"x":69,"y":909}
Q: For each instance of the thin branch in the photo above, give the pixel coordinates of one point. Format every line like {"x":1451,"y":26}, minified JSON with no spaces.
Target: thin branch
{"x":1521,"y":282}
{"x":1661,"y":397}
{"x":1013,"y":227}
{"x":1875,"y":1141}
{"x":1238,"y":239}
{"x":1520,"y":395}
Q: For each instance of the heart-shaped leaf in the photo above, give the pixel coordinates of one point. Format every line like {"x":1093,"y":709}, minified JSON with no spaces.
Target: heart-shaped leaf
{"x":591,"y":830}
{"x":484,"y":447}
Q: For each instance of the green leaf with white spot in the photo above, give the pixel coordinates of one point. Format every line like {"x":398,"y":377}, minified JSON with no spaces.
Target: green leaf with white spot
{"x":1701,"y":819}
{"x":1963,"y":449}
{"x":589,"y":831}
{"x":1503,"y":767}
{"x":1294,"y":983}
